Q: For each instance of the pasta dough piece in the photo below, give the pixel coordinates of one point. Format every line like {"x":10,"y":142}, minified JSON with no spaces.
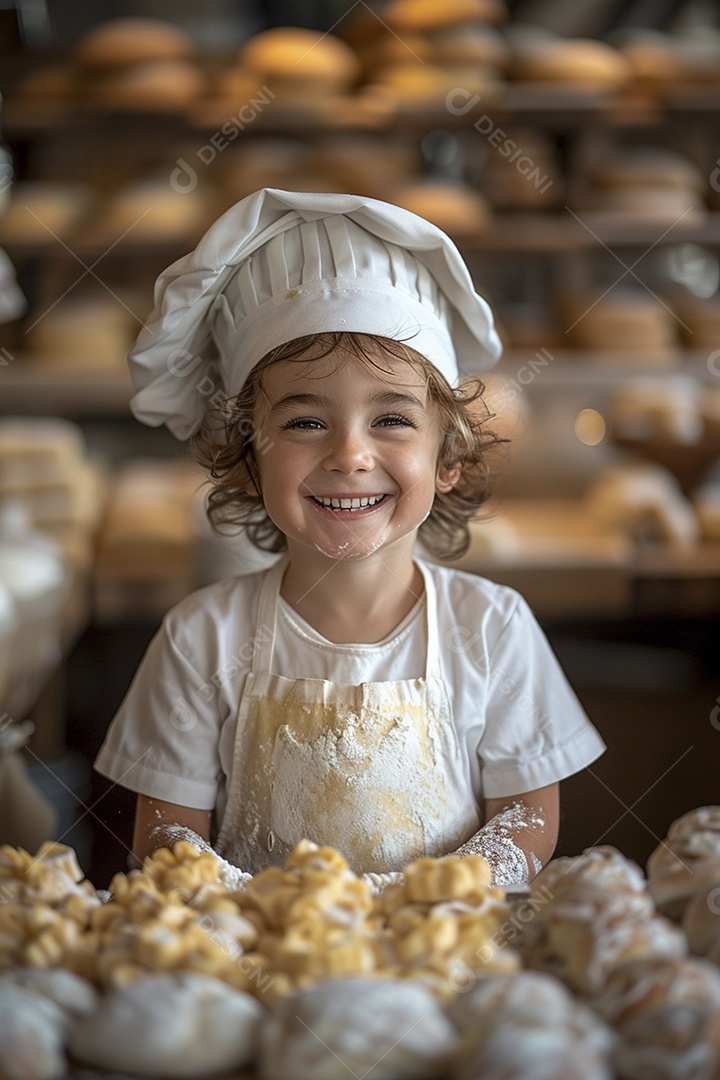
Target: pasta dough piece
{"x":169,"y":1025}
{"x":376,"y":1029}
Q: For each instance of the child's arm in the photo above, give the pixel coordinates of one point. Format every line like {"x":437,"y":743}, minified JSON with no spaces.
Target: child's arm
{"x":519,"y":834}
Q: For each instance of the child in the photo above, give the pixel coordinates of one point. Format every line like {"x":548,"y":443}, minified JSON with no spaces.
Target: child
{"x":354,"y":694}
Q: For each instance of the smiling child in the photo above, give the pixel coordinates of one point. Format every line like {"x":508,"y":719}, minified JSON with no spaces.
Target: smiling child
{"x":375,"y":700}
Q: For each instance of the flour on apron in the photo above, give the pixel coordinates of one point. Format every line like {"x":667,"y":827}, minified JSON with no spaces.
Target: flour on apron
{"x":372,"y":769}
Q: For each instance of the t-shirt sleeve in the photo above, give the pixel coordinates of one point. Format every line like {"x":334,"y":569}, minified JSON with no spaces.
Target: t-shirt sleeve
{"x":163,"y":741}
{"x":536,"y":731}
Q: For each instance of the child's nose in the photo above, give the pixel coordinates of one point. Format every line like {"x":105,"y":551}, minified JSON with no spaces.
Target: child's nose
{"x":349,"y":451}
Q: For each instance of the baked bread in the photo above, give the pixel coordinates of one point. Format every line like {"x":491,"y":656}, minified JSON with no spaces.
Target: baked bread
{"x":470,"y":44}
{"x":628,"y":319}
{"x":645,"y":501}
{"x":647,"y":169}
{"x":118,"y":43}
{"x":427,"y":16}
{"x":295,"y":62}
{"x":455,"y":208}
{"x":159,"y":85}
{"x":41,"y":211}
{"x":649,"y":185}
{"x":169,"y":1025}
{"x":151,"y":210}
{"x":578,"y":62}
{"x":651,"y":408}
{"x":655,"y":59}
{"x":92,"y":333}
{"x":409,"y":83}
{"x":388,"y":1029}
{"x":38,"y":450}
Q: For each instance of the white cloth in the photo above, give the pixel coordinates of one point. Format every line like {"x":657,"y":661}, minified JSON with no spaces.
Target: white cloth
{"x":279,"y":265}
{"x":517,"y":721}
{"x":373,"y":769}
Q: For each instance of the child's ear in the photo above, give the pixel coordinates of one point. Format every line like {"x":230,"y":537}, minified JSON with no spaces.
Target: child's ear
{"x":446,"y":479}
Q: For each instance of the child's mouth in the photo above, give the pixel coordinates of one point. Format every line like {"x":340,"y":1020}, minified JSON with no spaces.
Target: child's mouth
{"x":354,"y":504}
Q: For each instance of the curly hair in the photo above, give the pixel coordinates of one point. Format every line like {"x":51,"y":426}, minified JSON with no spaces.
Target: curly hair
{"x":228,"y":444}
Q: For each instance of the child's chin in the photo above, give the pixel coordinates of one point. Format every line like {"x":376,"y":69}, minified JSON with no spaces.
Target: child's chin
{"x":350,"y":549}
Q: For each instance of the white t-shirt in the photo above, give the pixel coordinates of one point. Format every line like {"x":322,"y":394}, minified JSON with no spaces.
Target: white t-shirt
{"x":517,"y":720}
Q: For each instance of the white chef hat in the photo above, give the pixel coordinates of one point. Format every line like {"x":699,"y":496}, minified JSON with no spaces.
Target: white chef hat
{"x":279,"y":265}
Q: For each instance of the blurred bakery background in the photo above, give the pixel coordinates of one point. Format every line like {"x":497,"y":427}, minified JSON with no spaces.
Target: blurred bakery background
{"x":572,"y":150}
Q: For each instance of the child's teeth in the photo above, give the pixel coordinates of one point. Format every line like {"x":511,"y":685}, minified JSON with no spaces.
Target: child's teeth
{"x":360,"y":503}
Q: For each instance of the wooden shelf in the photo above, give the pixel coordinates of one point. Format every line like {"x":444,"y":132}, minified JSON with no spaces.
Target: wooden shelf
{"x":555,"y":105}
{"x":558,"y":232}
{"x":38,"y":389}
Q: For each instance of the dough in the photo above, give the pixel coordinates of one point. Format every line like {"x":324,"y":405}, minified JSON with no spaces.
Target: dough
{"x":534,"y":1053}
{"x":688,"y":857}
{"x":36,"y":1008}
{"x":676,"y":1042}
{"x":528,"y":1025}
{"x":594,"y":916}
{"x":31,"y":1036}
{"x":530,"y":997}
{"x":369,"y":1028}
{"x":169,"y":1025}
{"x":75,"y":996}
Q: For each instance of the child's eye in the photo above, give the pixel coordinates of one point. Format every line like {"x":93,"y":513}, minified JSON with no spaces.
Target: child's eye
{"x":395,"y":421}
{"x":302,"y":423}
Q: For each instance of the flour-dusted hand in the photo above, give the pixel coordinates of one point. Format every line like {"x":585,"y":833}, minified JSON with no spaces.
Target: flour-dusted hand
{"x":518,"y":837}
{"x":232,"y":877}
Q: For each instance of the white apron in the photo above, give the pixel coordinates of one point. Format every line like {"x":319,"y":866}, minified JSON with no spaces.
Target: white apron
{"x":373,"y":769}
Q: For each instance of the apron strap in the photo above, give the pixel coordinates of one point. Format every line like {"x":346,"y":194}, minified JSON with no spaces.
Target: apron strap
{"x":264,"y":640}
{"x":433,"y":669}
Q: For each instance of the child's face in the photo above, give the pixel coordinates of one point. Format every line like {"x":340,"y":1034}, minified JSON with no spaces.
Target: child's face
{"x":347,"y":458}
